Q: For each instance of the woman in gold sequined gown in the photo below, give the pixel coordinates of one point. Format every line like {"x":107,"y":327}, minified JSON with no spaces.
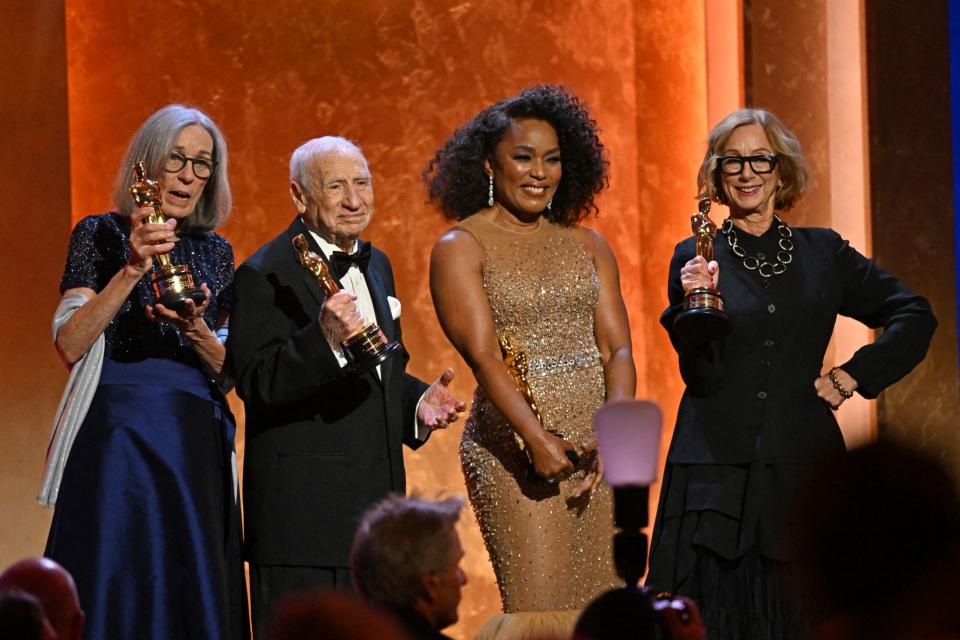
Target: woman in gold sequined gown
{"x":519,"y":178}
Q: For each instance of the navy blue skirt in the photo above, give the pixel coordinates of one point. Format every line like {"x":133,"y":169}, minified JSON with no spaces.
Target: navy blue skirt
{"x":147,"y":519}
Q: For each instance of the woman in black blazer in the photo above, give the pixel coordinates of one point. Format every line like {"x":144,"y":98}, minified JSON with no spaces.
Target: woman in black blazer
{"x":755,"y":419}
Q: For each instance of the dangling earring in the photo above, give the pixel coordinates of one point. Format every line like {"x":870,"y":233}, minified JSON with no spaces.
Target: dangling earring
{"x":490,"y":192}
{"x":550,"y":204}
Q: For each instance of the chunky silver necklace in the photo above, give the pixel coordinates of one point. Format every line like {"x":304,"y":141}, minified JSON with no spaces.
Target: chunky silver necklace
{"x":755,"y":263}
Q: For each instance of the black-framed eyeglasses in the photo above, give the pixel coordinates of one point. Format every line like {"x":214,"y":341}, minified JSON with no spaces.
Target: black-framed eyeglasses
{"x":202,"y":167}
{"x":733,"y":165}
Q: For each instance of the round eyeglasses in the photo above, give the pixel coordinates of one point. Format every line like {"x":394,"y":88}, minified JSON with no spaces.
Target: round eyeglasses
{"x":733,"y":165}
{"x":202,"y":167}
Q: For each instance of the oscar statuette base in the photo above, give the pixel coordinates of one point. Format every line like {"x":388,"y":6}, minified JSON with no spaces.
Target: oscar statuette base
{"x":368,"y":348}
{"x":173,"y":286}
{"x":703,"y":318}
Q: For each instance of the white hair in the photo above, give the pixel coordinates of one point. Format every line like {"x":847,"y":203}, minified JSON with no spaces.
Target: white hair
{"x":304,"y":155}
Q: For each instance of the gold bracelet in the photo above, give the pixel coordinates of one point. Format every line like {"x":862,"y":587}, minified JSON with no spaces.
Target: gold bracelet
{"x":836,"y":384}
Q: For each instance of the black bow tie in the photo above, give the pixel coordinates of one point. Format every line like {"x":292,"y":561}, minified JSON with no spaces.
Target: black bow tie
{"x":340,"y":262}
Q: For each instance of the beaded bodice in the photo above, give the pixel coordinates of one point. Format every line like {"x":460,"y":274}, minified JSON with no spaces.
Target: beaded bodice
{"x":100,"y":247}
{"x":542,"y":289}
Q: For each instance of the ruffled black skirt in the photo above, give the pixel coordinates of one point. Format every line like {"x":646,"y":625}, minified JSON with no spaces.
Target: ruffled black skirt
{"x":723,"y":537}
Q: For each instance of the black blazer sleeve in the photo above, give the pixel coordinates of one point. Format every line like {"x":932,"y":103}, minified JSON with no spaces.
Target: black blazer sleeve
{"x":414,"y":388}
{"x":879,"y":300}
{"x":277,"y":350}
{"x":411,"y":387}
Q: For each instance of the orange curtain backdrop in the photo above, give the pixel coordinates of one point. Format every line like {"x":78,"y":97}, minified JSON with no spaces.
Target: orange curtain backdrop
{"x":398,"y":76}
{"x":35,"y":180}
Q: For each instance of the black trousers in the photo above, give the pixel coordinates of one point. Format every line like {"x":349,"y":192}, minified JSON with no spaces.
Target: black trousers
{"x":271,"y":584}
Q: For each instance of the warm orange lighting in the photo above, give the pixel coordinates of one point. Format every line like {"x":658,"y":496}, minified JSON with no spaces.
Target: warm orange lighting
{"x":398,"y":76}
{"x":849,"y":185}
{"x":724,"y":32}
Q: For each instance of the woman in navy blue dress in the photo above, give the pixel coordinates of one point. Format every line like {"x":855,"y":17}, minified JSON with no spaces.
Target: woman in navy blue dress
{"x":147,"y":517}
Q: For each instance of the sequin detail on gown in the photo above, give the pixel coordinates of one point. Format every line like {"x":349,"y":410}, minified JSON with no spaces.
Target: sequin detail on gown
{"x":548,"y":554}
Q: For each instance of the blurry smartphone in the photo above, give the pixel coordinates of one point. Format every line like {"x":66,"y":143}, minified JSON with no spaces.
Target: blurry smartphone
{"x":680,"y":617}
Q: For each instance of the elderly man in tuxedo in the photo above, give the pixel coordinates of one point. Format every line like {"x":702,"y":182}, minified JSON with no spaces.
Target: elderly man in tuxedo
{"x":323,"y":439}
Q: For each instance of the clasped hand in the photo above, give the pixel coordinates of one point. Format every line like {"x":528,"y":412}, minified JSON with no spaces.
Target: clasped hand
{"x":148,"y":240}
{"x":550,"y":461}
{"x":340,"y":317}
{"x":189,"y":319}
{"x":699,"y":274}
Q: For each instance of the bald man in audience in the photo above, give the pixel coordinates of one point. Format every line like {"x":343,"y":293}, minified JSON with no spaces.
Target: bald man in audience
{"x":53,"y":587}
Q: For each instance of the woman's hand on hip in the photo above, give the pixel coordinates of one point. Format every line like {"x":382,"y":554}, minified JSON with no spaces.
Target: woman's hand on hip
{"x":828,"y":391}
{"x":699,"y":274}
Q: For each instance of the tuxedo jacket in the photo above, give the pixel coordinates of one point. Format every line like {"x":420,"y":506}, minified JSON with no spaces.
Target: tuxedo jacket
{"x":322,"y":444}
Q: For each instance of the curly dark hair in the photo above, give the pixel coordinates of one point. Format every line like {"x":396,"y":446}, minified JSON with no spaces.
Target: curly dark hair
{"x":456,"y":179}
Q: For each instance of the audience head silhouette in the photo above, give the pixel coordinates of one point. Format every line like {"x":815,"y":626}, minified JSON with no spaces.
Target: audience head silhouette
{"x":53,"y":587}
{"x":406,"y":557}
{"x":880,"y":542}
{"x":21,"y":617}
{"x":329,"y":615}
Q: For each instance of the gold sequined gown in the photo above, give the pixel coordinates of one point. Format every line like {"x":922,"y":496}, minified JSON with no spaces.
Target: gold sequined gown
{"x":550,"y":556}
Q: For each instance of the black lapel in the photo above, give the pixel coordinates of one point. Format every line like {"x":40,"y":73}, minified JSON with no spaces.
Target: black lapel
{"x":378,"y":294}
{"x":297,"y":228}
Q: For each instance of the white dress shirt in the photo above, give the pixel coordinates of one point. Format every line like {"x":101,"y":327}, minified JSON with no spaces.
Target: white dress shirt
{"x":354,"y":283}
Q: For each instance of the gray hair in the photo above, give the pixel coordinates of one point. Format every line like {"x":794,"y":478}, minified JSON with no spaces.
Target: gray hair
{"x":399,"y":540}
{"x":304,"y":155}
{"x":794,"y":171}
{"x":152,"y":144}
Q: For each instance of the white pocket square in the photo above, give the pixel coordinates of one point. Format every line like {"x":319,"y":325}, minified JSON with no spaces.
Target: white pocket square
{"x":394,"y":307}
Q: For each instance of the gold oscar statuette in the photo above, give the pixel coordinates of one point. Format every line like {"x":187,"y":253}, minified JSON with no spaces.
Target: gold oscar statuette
{"x":366,"y":348}
{"x":703,"y":317}
{"x":515,"y":360}
{"x":172,"y":283}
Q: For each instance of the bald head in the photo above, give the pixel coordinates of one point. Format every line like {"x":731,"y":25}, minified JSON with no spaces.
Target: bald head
{"x":53,"y":586}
